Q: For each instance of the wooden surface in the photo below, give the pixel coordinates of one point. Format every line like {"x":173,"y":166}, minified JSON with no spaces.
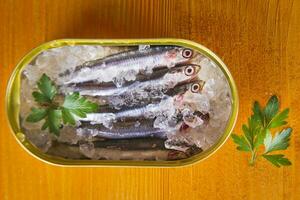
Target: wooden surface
{"x":258,"y":40}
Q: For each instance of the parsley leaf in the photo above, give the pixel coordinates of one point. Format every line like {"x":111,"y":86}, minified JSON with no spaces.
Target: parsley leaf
{"x":54,"y":114}
{"x":258,"y":132}
{"x":74,"y":104}
{"x":257,"y":113}
{"x":277,"y":160}
{"x":41,"y":98}
{"x":271,"y":109}
{"x":53,"y":121}
{"x":279,"y":119}
{"x":279,"y":142}
{"x":259,"y":140}
{"x":241,"y":142}
{"x":37,"y":114}
{"x":250,"y":131}
{"x":47,"y":90}
{"x":67,"y":116}
{"x":79,"y":105}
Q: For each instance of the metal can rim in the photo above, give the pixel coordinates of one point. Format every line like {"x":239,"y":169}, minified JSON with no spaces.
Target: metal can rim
{"x":13,"y":91}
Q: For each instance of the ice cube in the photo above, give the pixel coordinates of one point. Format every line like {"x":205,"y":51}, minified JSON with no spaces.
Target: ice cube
{"x":87,"y":149}
{"x":68,"y":135}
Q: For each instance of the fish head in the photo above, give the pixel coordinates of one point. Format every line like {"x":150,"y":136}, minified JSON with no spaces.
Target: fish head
{"x":179,"y":55}
{"x":191,"y":69}
{"x":196,"y":86}
{"x":187,"y":70}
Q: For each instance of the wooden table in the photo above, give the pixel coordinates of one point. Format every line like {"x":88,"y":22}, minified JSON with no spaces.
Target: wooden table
{"x":258,"y":40}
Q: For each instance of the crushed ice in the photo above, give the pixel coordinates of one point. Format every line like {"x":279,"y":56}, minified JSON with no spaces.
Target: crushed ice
{"x":215,"y":99}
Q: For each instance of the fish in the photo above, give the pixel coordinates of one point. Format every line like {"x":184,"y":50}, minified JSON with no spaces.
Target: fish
{"x":124,"y":130}
{"x":119,"y":66}
{"x":119,"y":153}
{"x":133,"y":98}
{"x":156,"y":73}
{"x":143,"y":155}
{"x":155,"y":86}
{"x":194,"y":86}
{"x":149,"y":111}
{"x":131,"y":144}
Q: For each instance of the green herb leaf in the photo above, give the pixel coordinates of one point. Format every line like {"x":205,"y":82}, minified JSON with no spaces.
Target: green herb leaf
{"x":241,"y":142}
{"x":279,"y":142}
{"x":53,"y":121}
{"x":40,"y":98}
{"x":258,"y":115}
{"x":279,"y":119}
{"x":78,"y":105}
{"x":248,"y":134}
{"x":54,"y":114}
{"x":37,"y":114}
{"x":277,"y":160}
{"x":68,"y":118}
{"x":259,"y":140}
{"x":257,"y":133}
{"x":271,"y":109}
{"x":45,"y":125}
{"x":47,"y":90}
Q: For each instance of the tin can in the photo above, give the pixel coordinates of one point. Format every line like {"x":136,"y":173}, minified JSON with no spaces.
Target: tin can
{"x":13,"y":102}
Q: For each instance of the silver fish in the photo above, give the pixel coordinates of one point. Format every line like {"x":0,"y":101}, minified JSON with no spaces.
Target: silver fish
{"x":140,"y":97}
{"x":169,"y":80}
{"x":150,"y":111}
{"x":118,"y":66}
{"x":156,"y":73}
{"x":73,"y":152}
{"x":194,"y":86}
{"x":122,"y":131}
{"x":131,"y":144}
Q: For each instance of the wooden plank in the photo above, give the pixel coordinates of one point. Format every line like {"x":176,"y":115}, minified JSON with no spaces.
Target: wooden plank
{"x":258,"y":40}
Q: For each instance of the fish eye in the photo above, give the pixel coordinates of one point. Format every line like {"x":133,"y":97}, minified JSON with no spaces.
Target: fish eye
{"x":189,"y":70}
{"x":187,"y":53}
{"x":195,"y":87}
{"x":189,"y":118}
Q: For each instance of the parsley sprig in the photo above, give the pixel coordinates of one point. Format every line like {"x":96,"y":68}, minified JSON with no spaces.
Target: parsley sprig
{"x":257,"y":133}
{"x":54,"y":114}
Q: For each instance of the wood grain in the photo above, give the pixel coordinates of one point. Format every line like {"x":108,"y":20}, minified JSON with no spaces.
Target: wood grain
{"x":259,"y":40}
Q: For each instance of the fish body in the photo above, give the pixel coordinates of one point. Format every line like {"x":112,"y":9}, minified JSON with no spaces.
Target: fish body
{"x":150,"y":94}
{"x":133,"y":79}
{"x":149,"y":111}
{"x":122,"y":131}
{"x":155,"y":86}
{"x":122,"y":134}
{"x":122,"y":124}
{"x":156,"y":73}
{"x":124,"y":66}
{"x":131,"y":144}
{"x":104,"y":153}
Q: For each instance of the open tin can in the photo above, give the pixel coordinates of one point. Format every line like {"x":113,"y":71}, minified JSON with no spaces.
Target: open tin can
{"x":14,"y":102}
